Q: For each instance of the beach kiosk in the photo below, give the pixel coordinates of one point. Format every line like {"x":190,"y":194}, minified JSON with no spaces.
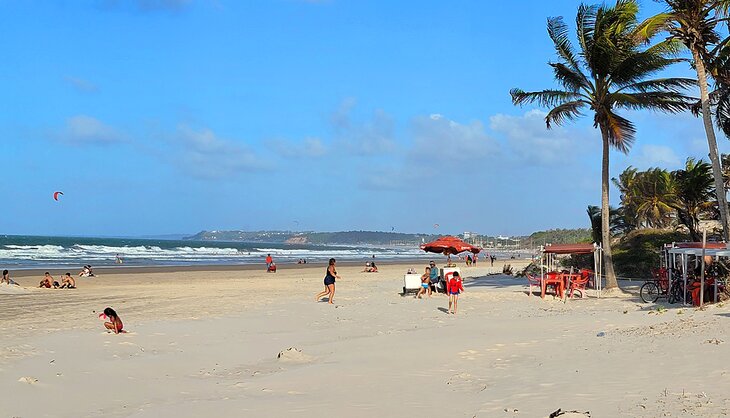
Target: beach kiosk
{"x":676,"y":259}
{"x":550,"y":252}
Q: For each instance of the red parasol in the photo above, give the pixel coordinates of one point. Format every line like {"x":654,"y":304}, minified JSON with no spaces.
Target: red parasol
{"x":449,"y":245}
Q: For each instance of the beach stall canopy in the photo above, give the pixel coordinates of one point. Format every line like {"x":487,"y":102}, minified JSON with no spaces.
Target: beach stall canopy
{"x":550,"y":251}
{"x":570,"y":249}
{"x":676,"y":258}
{"x":449,"y":245}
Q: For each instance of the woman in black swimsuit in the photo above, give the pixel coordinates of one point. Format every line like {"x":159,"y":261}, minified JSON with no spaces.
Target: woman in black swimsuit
{"x":329,"y":282}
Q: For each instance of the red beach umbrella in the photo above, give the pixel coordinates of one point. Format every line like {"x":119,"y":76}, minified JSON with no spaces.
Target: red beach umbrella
{"x":449,"y":245}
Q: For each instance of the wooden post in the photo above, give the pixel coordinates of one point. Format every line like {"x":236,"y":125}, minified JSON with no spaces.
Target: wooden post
{"x":702,"y":270}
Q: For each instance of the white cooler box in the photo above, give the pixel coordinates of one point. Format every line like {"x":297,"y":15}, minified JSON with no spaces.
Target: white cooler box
{"x":411,"y":283}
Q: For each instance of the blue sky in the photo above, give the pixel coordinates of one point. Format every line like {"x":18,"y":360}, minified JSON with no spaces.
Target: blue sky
{"x":173,"y":116}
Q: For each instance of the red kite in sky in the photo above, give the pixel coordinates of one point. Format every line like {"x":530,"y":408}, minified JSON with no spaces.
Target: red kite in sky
{"x":55,"y":195}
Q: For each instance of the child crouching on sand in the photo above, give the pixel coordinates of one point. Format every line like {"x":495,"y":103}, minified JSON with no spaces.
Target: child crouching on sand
{"x":453,"y":287}
{"x":115,"y":323}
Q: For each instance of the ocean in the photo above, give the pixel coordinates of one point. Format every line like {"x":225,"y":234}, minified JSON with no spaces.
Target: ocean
{"x":26,"y":252}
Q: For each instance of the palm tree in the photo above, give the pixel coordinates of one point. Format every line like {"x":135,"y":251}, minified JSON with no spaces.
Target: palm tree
{"x":611,"y":71}
{"x":695,"y":194}
{"x":655,"y":195}
{"x":627,"y":186}
{"x":694,"y":23}
{"x":618,"y":224}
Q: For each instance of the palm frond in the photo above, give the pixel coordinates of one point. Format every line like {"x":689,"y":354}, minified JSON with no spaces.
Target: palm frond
{"x":544,"y":98}
{"x":674,"y":84}
{"x":567,"y":111}
{"x":663,"y":101}
{"x":640,"y":65}
{"x":572,"y":79}
{"x":558,"y":32}
{"x":722,"y":110}
{"x":652,"y":26}
{"x":621,"y":131}
{"x":585,"y":22}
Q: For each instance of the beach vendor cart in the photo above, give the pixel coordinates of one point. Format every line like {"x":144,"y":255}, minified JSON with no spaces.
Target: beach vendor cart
{"x":411,"y":283}
{"x":448,"y":246}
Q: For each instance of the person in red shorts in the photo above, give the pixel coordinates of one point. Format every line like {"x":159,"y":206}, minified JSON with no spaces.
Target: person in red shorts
{"x":453,"y":287}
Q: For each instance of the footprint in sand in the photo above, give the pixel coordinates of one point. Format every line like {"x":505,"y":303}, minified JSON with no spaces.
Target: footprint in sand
{"x":465,"y":382}
{"x":470,"y":354}
{"x":133,"y":345}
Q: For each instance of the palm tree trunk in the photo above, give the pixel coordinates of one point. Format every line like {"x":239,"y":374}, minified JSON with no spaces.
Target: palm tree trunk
{"x":712,"y":143}
{"x":611,"y":282}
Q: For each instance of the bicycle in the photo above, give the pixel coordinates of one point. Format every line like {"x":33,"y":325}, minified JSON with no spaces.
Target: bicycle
{"x":657,"y":287}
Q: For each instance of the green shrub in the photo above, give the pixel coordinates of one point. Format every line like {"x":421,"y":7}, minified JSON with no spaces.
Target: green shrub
{"x":638,"y":251}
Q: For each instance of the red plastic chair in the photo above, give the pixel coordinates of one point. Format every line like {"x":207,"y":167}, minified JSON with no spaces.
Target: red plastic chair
{"x":534,"y":281}
{"x":591,"y":278}
{"x":555,"y":280}
{"x":579,"y":283}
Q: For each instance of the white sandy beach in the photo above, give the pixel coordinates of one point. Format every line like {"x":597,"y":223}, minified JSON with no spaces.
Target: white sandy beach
{"x":205,"y":343}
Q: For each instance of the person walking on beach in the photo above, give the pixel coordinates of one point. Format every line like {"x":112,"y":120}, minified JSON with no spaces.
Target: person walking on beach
{"x":453,"y":288}
{"x":329,"y":282}
{"x":269,"y":260}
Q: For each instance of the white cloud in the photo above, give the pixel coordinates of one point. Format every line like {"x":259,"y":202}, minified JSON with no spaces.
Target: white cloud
{"x":530,"y":141}
{"x":86,"y":130}
{"x":201,"y":153}
{"x":436,"y":135}
{"x":656,"y":156}
{"x":308,"y":148}
{"x":81,"y":85}
{"x":373,"y":137}
{"x":386,"y":179}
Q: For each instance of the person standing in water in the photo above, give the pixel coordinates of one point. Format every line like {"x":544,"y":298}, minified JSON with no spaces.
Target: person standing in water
{"x":329,"y":282}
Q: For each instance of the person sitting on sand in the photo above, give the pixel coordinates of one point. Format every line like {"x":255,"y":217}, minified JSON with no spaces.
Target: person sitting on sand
{"x":271,"y":268}
{"x":453,"y":288}
{"x":6,"y":278}
{"x":425,"y":283}
{"x":47,"y":281}
{"x":370,"y":267}
{"x":68,"y":282}
{"x":329,"y":282}
{"x":114,"y":323}
{"x":85,"y":272}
